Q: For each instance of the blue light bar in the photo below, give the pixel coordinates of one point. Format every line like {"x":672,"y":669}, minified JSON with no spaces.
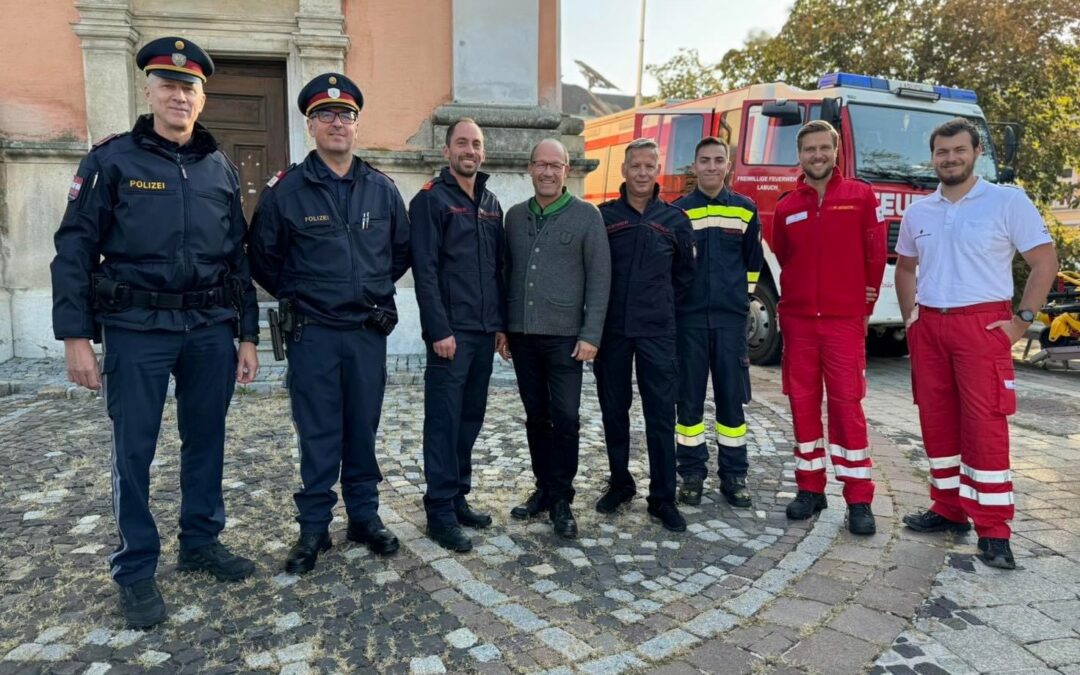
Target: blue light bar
{"x":839,"y":79}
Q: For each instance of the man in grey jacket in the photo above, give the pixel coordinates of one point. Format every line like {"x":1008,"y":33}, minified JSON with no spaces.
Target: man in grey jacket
{"x":558,"y":277}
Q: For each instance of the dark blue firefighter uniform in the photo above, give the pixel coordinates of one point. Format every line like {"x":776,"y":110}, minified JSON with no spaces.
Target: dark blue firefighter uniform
{"x":652,"y":268}
{"x":458,"y":253}
{"x":712,"y":330}
{"x":334,"y":246}
{"x":157,"y":228}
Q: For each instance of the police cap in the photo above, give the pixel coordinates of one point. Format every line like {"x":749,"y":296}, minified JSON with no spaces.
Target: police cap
{"x":175,"y":58}
{"x":329,"y":89}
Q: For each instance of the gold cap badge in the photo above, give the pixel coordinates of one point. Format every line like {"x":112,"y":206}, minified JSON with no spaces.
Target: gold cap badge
{"x":179,"y":44}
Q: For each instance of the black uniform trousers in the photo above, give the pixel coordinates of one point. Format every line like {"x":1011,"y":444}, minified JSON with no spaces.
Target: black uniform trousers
{"x":723,"y":353}
{"x":549,"y":380}
{"x":657,"y":379}
{"x":455,"y":399}
{"x":337,"y":377}
{"x":135,"y":378}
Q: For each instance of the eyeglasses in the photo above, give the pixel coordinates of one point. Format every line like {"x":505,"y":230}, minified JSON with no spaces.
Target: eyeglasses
{"x":542,"y":167}
{"x":328,"y":116}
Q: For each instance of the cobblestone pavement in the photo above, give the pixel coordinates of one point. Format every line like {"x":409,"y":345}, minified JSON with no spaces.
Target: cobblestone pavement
{"x":742,"y":591}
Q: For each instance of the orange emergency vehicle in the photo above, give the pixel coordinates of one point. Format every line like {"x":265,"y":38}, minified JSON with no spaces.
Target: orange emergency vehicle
{"x":884,"y":130}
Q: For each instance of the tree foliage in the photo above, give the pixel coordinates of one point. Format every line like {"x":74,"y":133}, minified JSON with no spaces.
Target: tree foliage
{"x":1022,"y":57}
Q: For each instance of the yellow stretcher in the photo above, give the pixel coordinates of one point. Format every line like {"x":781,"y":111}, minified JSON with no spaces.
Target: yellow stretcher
{"x":1057,"y":328}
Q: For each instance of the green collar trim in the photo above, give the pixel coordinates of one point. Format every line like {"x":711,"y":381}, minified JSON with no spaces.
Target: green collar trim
{"x":552,"y":208}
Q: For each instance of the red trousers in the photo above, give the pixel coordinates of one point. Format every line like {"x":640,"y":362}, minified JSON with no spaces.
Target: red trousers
{"x":962,"y":380}
{"x":829,"y":351}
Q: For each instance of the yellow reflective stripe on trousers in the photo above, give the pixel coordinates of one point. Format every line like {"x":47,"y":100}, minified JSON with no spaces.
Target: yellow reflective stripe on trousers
{"x":690,"y":435}
{"x":731,"y":432}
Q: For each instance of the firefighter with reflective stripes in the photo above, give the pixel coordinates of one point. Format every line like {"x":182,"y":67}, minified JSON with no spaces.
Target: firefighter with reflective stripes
{"x":712,"y":328}
{"x":962,"y":239}
{"x":829,"y":239}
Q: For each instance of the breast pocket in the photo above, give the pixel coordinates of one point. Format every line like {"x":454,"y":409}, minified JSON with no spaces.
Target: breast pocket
{"x":208,"y":233}
{"x":373,"y":245}
{"x":321,"y":251}
{"x":149,"y":224}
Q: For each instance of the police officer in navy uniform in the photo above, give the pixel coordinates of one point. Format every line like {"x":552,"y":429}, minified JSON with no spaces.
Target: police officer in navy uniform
{"x":712,"y":328}
{"x":458,"y":248}
{"x":330,"y":237}
{"x":652,"y":268}
{"x":150,"y":256}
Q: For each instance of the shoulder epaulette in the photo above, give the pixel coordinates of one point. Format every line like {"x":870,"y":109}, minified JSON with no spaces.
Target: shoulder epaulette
{"x":108,"y":139}
{"x":279,"y":175}
{"x":428,"y":185}
{"x":863,"y":180}
{"x":381,"y":173}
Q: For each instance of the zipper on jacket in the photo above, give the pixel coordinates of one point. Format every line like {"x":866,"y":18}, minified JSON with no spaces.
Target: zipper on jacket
{"x":184,"y":258}
{"x":348,"y":236}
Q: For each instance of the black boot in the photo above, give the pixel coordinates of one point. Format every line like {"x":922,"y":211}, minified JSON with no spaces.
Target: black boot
{"x":615,"y":495}
{"x":735,"y":491}
{"x":806,"y":504}
{"x":668,"y":515}
{"x":372,"y":532}
{"x":860,"y":519}
{"x":305,"y":552}
{"x":469,"y":518}
{"x":562,"y":519}
{"x":142,"y":604}
{"x":217,"y":560}
{"x":450,"y":537}
{"x":690,"y":491}
{"x":536,"y":504}
{"x":996,"y":553}
{"x":929,"y":521}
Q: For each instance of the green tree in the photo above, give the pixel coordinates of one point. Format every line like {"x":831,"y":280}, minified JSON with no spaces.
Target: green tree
{"x":1022,"y":57}
{"x":684,"y":76}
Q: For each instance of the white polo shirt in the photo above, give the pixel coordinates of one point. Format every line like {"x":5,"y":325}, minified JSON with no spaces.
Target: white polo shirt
{"x":965,"y":249}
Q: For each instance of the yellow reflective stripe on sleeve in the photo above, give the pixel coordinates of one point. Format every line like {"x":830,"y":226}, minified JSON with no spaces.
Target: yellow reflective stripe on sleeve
{"x":745,"y":215}
{"x":753,"y":277}
{"x":731,"y":432}
{"x":699,"y":212}
{"x":691,"y":430}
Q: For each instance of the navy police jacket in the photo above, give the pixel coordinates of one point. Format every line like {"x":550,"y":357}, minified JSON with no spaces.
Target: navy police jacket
{"x":158,"y":217}
{"x":336,"y":264}
{"x":652,"y":265}
{"x":458,"y":248}
{"x":729,"y":255}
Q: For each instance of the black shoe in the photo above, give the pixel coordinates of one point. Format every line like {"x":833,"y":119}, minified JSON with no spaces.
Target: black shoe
{"x":562,"y":519}
{"x":690,"y":492}
{"x":806,"y":504}
{"x":996,"y":553}
{"x":668,"y":516}
{"x":142,"y":604}
{"x":450,"y":537}
{"x":466,"y":517}
{"x":536,"y":504}
{"x":860,"y":519}
{"x":615,"y":495}
{"x":217,"y":560}
{"x":305,"y":552}
{"x":372,"y":532}
{"x":929,"y":521}
{"x":735,"y":491}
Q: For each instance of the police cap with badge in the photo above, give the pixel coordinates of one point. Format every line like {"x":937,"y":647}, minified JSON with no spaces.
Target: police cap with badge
{"x":329,"y":89}
{"x":176,"y":59}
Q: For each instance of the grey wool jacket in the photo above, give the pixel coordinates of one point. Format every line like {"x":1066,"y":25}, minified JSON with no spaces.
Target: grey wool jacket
{"x":558,"y":276}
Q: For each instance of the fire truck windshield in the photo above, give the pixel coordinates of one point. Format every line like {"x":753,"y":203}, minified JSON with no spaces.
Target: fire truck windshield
{"x":893,"y":144}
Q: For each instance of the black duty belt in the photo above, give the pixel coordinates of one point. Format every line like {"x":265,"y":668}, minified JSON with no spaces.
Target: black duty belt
{"x":111,"y":295}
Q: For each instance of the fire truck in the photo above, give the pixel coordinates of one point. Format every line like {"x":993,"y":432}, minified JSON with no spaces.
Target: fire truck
{"x":884,"y":128}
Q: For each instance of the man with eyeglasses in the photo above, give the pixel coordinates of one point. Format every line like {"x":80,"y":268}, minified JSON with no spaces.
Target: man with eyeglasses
{"x":150,"y":261}
{"x":329,"y":238}
{"x":558,"y":270}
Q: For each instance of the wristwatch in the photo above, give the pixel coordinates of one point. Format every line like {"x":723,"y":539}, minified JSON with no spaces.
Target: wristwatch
{"x":1026,"y":315}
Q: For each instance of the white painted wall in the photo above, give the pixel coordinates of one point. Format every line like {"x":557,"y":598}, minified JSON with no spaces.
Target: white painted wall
{"x":495,"y":51}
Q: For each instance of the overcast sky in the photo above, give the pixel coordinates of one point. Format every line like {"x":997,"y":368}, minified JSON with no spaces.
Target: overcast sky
{"x":604,"y":33}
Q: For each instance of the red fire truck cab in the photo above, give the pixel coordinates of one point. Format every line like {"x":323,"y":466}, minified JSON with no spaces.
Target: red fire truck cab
{"x":884,"y":128}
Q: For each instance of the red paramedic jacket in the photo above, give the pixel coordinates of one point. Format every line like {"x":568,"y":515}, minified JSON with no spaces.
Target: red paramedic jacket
{"x":829,"y":252}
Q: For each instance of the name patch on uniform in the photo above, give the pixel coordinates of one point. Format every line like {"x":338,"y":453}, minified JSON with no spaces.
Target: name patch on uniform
{"x":844,"y":207}
{"x":316,"y":219}
{"x":76,"y":187}
{"x":146,"y":184}
{"x":796,"y":217}
{"x":1010,"y":384}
